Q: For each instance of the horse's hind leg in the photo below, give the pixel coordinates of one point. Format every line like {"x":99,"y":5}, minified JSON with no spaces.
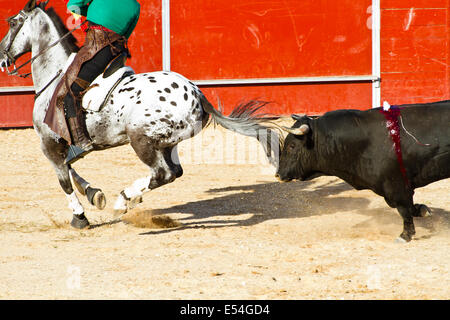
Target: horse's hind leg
{"x":56,"y":155}
{"x":164,"y":168}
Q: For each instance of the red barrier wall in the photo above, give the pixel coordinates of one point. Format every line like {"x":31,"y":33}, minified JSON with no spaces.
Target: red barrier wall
{"x":234,"y":39}
{"x":241,"y":39}
{"x":415,"y":55}
{"x":289,"y":38}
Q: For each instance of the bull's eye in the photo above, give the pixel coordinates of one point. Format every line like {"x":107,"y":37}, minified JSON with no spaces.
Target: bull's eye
{"x":291,"y":147}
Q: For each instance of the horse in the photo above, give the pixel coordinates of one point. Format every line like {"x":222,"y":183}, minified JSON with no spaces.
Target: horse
{"x":152,"y":112}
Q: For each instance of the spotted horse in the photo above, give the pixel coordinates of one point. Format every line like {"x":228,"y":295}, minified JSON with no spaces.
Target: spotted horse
{"x":151,"y":111}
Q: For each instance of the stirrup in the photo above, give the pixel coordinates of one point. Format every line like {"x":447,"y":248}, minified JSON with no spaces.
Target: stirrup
{"x":76,"y":153}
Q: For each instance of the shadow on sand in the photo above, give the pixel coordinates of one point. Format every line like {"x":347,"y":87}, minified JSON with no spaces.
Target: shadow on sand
{"x":275,"y":200}
{"x":265,"y":201}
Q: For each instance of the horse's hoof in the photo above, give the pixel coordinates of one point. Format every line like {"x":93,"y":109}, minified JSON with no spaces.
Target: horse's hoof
{"x":119,"y":212}
{"x":424,"y":211}
{"x":79,"y":221}
{"x":134,"y":202}
{"x":96,"y":197}
{"x":99,"y":200}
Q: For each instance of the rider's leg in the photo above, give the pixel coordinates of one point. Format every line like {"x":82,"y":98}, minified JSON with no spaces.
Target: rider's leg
{"x":77,"y":125}
{"x":74,"y":112}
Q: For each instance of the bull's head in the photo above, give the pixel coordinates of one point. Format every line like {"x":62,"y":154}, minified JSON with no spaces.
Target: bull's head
{"x":17,"y":41}
{"x":297,"y":151}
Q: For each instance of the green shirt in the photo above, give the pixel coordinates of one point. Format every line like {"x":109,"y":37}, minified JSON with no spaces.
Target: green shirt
{"x":120,"y":16}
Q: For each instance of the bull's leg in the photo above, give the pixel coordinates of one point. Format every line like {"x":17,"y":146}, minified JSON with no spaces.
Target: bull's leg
{"x":95,"y":196}
{"x":408,"y":223}
{"x":408,"y":210}
{"x":56,"y":154}
{"x":421,"y":211}
{"x":401,"y":198}
{"x":163,"y":170}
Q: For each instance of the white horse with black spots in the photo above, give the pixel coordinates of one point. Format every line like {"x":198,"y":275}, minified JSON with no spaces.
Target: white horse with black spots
{"x":151,"y":111}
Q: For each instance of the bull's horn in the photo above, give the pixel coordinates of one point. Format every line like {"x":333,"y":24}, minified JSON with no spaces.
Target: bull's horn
{"x":304,"y":129}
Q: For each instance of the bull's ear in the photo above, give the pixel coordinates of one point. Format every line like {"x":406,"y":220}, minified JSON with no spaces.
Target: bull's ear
{"x":30,"y":6}
{"x":296,"y":117}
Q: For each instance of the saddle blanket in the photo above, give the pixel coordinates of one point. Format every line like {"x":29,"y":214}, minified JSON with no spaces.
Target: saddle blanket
{"x":101,"y":88}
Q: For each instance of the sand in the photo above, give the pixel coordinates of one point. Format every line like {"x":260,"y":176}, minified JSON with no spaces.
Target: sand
{"x":227,"y":229}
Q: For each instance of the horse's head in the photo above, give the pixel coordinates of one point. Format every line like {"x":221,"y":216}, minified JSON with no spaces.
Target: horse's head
{"x":18,"y":41}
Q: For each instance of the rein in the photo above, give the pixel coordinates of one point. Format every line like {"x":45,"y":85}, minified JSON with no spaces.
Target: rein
{"x":48,"y":84}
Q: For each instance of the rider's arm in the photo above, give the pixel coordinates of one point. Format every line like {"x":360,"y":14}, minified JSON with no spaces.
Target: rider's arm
{"x":79,"y":7}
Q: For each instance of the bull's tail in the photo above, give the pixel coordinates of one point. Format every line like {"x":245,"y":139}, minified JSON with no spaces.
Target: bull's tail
{"x":245,"y":119}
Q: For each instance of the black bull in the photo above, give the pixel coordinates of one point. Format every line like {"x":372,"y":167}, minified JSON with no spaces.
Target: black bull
{"x":359,"y":147}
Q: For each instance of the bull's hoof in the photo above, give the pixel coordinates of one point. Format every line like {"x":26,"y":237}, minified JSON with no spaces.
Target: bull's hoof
{"x":404,"y":238}
{"x":423,"y":210}
{"x":96,"y":197}
{"x":80,"y":221}
{"x":400,"y":240}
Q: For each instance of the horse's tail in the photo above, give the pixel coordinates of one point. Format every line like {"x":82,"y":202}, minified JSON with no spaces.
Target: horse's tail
{"x":245,"y":120}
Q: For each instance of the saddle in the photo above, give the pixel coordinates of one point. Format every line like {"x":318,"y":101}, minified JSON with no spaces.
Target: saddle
{"x":100,"y":90}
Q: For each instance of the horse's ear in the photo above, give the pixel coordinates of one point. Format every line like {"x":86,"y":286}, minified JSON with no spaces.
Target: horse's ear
{"x":30,"y":6}
{"x":43,"y":4}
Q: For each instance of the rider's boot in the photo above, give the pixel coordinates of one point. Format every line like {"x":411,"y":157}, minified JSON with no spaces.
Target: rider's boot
{"x":82,"y":144}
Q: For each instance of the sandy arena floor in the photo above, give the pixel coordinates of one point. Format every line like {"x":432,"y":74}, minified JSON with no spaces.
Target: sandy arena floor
{"x":225,"y":230}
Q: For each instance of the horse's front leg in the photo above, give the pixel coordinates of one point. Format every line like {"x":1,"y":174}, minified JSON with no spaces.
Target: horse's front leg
{"x":79,"y":220}
{"x":56,"y":155}
{"x":95,"y":196}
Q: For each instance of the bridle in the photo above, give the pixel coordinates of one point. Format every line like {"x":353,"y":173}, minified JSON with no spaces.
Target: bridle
{"x":15,"y":72}
{"x":23,"y":17}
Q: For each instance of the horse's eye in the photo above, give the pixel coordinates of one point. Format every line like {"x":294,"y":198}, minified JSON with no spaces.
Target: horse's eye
{"x":12,"y":24}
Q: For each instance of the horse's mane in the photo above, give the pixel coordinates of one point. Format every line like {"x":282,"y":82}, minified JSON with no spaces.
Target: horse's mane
{"x":70,"y":42}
